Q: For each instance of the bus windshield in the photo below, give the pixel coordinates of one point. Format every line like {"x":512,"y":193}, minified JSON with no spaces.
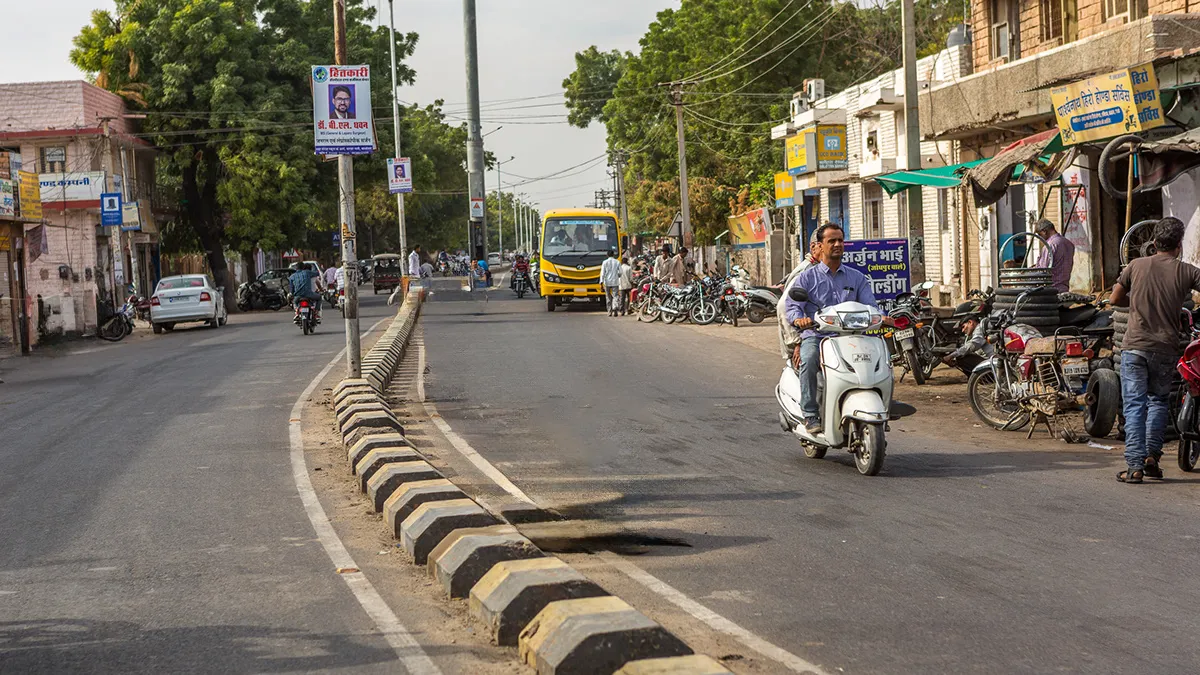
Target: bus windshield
{"x":582,"y":237}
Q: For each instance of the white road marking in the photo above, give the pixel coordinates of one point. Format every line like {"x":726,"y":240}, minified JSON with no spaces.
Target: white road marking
{"x":709,"y":617}
{"x":700,"y":612}
{"x":409,"y":651}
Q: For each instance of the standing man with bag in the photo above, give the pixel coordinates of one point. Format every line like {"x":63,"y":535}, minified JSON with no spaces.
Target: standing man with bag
{"x":1154,"y":288}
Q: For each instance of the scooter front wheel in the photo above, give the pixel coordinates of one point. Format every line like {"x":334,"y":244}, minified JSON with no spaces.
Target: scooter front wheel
{"x":869,"y":451}
{"x":814,"y":451}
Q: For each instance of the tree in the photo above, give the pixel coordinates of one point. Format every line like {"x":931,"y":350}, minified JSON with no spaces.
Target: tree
{"x":225,"y":85}
{"x":591,"y":85}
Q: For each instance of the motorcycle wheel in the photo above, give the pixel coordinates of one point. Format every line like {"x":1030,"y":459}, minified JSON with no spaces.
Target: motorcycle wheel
{"x":981,"y":392}
{"x":520,"y":294}
{"x":1189,"y":454}
{"x":669,"y":318}
{"x":872,"y":446}
{"x":113,"y":330}
{"x":731,"y":313}
{"x":703,"y":313}
{"x":755,"y":314}
{"x":648,"y":312}
{"x":1104,"y":391}
{"x":243,"y":306}
{"x":913,"y":363}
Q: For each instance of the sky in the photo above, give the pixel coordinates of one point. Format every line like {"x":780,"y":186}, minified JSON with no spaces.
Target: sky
{"x":526,"y":48}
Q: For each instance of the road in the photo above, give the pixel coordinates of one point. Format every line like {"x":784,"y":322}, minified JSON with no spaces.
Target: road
{"x":150,"y":518}
{"x":973,"y":552}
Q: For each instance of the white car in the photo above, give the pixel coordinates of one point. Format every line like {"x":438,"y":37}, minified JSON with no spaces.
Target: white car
{"x":189,"y":297}
{"x":493,"y":259}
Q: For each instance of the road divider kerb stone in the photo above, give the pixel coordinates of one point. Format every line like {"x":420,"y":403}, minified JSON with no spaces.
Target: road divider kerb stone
{"x":409,"y":496}
{"x":507,"y":598}
{"x":696,"y":664}
{"x":377,"y":419}
{"x":357,"y":399}
{"x":465,"y":555}
{"x":391,"y":476}
{"x":432,"y":522}
{"x":593,"y":635}
{"x":347,"y":384}
{"x":363,"y":389}
{"x":345,"y":414}
{"x":369,"y":442}
{"x":378,"y":458}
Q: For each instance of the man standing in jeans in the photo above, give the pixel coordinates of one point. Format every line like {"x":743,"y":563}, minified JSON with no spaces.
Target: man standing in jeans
{"x":1155,"y":288}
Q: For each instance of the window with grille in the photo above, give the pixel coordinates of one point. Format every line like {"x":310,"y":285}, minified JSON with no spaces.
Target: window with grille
{"x":1115,"y":9}
{"x":999,"y":28}
{"x":873,"y":210}
{"x":1051,"y":19}
{"x":52,"y":159}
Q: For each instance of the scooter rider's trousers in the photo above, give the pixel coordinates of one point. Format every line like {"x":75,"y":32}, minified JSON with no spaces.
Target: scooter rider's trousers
{"x":810,"y":369}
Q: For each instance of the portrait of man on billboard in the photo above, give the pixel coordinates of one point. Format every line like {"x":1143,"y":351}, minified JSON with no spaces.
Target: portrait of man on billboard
{"x":341,"y":101}
{"x":399,"y":168}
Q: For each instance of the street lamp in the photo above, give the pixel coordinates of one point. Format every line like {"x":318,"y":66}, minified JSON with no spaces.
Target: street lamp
{"x":500,"y":200}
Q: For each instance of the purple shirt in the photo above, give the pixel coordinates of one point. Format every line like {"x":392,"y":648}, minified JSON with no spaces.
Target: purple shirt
{"x":825,"y":289}
{"x":1064,"y":261}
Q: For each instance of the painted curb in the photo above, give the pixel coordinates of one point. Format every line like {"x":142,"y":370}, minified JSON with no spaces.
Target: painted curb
{"x":696,"y":664}
{"x":378,"y":458}
{"x":465,"y":555}
{"x":508,"y":597}
{"x":369,"y":442}
{"x":392,"y":476}
{"x":381,"y":419}
{"x":432,"y":522}
{"x":593,"y":635}
{"x":409,"y":496}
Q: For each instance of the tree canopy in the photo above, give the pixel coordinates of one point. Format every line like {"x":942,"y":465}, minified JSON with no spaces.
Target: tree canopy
{"x":741,"y":61}
{"x":225,"y":86}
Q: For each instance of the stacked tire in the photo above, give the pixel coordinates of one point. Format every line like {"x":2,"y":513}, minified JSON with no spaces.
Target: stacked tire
{"x":1039,"y":308}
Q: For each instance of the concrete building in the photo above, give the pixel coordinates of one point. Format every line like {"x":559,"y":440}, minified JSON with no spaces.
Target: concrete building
{"x":79,"y":141}
{"x":1021,"y":50}
{"x":875,"y":145}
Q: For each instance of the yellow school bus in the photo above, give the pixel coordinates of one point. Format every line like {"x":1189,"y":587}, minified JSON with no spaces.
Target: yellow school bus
{"x":572,"y":245}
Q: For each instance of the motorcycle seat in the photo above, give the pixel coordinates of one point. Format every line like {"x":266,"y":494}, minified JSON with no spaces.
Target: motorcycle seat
{"x":769,"y":289}
{"x":1040,"y":346}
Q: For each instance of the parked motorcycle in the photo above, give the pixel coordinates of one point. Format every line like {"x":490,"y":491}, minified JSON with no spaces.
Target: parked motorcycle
{"x":856,"y":401}
{"x":761,"y":300}
{"x":119,"y":323}
{"x":1033,"y":378}
{"x":1187,"y":421}
{"x":255,"y":294}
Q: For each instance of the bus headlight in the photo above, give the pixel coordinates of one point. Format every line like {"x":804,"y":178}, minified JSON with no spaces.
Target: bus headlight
{"x":552,"y":278}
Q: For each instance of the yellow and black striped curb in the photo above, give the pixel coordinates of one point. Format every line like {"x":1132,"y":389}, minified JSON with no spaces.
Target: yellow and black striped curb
{"x":561,"y":621}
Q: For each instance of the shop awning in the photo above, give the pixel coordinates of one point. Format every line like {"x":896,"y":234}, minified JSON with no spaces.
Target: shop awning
{"x":1041,"y":156}
{"x":938,"y":177}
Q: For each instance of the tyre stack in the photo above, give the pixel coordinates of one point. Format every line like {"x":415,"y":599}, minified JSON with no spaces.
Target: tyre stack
{"x":1040,"y":307}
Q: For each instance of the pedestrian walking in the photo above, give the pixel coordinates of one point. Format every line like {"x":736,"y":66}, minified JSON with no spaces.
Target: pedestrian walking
{"x":626,"y":285}
{"x":414,"y":264}
{"x":1154,"y":288}
{"x":610,"y":276}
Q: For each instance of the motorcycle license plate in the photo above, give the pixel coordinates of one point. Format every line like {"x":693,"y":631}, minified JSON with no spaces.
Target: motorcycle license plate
{"x":1078,"y":367}
{"x":304,"y":311}
{"x":581,"y":290}
{"x":905,"y":334}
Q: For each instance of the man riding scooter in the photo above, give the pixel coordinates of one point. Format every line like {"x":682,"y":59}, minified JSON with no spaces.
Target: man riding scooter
{"x":828,"y":283}
{"x":306,"y":283}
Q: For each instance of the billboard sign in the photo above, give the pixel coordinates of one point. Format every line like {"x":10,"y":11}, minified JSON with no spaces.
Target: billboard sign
{"x":1124,"y":101}
{"x":750,"y":227}
{"x":400,"y":178}
{"x":31,"y":195}
{"x":885,"y":262}
{"x":342,"y":110}
{"x":785,"y":190}
{"x":111,"y":212}
{"x":78,"y":186}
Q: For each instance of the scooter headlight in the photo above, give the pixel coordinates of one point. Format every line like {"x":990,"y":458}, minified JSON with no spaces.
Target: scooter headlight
{"x":855,"y":320}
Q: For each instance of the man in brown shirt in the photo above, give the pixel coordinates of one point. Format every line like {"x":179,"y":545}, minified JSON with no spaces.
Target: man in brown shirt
{"x":1155,"y":288}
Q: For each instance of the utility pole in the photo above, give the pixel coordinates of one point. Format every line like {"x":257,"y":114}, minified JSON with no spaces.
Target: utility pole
{"x":114,"y":237}
{"x":396,"y":130}
{"x":346,"y":211}
{"x":684,"y":208}
{"x":912,"y":141}
{"x":500,"y":202}
{"x":619,"y":164}
{"x":477,"y":232}
{"x":125,"y":193}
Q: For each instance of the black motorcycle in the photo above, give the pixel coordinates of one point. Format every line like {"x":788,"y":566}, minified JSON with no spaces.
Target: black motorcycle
{"x":257,"y":295}
{"x":520,"y":283}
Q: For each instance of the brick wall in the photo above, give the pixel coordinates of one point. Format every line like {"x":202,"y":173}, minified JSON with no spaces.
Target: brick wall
{"x":1090,"y":22}
{"x":35,"y":106}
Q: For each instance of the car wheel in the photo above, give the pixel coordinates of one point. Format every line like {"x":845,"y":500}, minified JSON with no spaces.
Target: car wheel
{"x":214,"y":322}
{"x":157,"y":328}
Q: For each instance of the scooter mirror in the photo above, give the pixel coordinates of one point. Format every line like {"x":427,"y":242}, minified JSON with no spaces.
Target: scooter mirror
{"x":798,"y":294}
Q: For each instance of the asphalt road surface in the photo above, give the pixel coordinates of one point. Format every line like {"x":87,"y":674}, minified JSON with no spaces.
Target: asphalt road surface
{"x":148,"y":517}
{"x":974,"y":551}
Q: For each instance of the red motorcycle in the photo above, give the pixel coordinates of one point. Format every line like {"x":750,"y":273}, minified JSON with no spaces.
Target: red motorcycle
{"x":1187,"y":422}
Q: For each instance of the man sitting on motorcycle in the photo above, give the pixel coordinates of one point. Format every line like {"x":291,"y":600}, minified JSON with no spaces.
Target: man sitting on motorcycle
{"x":519,"y":265}
{"x":302,"y":284}
{"x":828,"y":283}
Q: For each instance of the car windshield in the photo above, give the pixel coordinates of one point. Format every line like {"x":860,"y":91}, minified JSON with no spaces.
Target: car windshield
{"x":579,"y":237}
{"x":180,"y":282}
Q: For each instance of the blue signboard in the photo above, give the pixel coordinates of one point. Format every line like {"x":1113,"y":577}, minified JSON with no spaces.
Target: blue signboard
{"x":337,"y":238}
{"x":885,"y":262}
{"x":110,"y":208}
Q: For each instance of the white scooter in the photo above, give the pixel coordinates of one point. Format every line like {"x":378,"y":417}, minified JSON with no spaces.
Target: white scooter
{"x":856,"y":404}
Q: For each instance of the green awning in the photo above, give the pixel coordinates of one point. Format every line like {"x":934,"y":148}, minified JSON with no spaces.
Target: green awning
{"x":937,"y":177}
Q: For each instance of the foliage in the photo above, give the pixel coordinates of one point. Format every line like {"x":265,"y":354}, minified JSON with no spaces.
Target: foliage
{"x":734,"y":95}
{"x":225,"y":86}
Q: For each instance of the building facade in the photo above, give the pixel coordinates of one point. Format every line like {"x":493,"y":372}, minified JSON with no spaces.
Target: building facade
{"x":80,"y":142}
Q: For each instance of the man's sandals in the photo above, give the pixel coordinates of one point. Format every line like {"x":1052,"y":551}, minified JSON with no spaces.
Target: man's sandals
{"x":1150,"y":470}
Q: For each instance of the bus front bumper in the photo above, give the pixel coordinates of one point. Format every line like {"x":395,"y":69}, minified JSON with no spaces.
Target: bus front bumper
{"x":571,"y":291}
